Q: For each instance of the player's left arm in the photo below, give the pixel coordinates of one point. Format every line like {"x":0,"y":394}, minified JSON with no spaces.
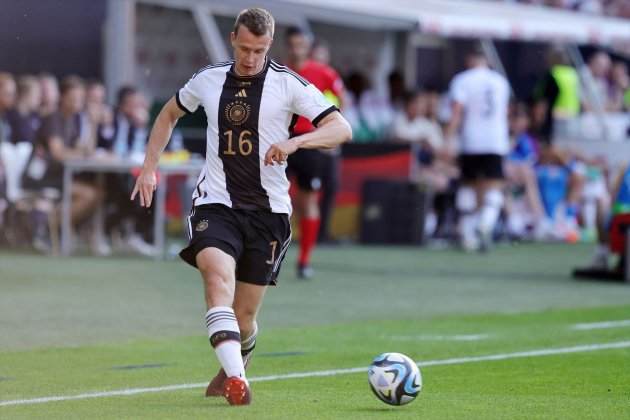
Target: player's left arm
{"x":331,"y":131}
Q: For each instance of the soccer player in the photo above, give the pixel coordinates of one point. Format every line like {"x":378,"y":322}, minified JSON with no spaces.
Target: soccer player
{"x":312,"y":168}
{"x":480,"y":98}
{"x":239,"y":225}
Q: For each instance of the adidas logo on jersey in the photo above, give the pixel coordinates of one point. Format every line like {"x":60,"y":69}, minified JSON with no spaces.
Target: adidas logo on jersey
{"x":241,"y":94}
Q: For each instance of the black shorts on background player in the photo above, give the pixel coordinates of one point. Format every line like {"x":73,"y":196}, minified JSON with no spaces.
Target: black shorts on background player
{"x":481,"y":166}
{"x":256,"y":239}
{"x":308,"y":168}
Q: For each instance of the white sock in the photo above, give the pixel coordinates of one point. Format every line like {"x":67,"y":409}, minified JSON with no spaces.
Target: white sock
{"x":466,"y":202}
{"x":490,"y":211}
{"x":225,"y":338}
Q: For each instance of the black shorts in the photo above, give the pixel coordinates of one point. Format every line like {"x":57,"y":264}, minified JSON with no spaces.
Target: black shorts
{"x":256,"y":239}
{"x":480,"y":167}
{"x":308,"y":166}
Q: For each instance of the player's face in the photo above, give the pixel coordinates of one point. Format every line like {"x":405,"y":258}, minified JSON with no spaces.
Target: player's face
{"x":298,"y":48}
{"x":249,"y":51}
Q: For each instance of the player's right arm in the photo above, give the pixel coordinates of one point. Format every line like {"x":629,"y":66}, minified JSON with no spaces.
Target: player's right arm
{"x":161,"y":132}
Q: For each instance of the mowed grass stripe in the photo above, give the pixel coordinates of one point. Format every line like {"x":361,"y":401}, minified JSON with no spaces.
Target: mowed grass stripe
{"x":332,"y":372}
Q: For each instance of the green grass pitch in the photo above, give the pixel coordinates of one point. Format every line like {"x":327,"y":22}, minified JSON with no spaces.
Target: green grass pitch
{"x":495,"y":335}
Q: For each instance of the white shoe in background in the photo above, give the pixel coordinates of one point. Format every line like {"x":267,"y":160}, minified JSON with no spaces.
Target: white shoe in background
{"x":135,"y":243}
{"x":100,"y":247}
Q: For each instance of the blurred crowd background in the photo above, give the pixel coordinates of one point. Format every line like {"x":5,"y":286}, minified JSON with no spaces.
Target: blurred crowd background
{"x":619,"y":8}
{"x":87,"y":86}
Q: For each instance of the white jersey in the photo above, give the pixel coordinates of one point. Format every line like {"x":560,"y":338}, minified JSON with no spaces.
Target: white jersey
{"x":484,"y":95}
{"x":246,"y":115}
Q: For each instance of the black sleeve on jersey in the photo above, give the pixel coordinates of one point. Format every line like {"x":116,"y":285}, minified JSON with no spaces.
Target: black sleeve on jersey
{"x":180,"y":105}
{"x":321,"y":116}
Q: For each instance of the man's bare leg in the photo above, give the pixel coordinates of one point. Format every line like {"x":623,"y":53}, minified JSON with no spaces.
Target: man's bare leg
{"x":247,"y":301}
{"x":217,"y":269}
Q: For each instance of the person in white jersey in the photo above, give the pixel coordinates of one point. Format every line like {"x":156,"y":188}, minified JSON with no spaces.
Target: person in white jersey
{"x":239,"y":225}
{"x":480,"y":99}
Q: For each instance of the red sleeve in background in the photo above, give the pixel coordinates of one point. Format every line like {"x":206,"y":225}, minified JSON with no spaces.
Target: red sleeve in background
{"x":324,"y":78}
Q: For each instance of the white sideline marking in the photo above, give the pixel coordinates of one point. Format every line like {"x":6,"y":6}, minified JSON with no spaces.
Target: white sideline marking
{"x":333,"y":372}
{"x":601,"y":325}
{"x":456,"y":337}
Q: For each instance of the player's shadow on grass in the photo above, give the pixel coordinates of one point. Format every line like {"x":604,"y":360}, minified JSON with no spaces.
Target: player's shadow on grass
{"x":395,"y":411}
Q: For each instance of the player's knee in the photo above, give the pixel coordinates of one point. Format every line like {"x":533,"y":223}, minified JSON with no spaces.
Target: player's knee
{"x":213,"y":279}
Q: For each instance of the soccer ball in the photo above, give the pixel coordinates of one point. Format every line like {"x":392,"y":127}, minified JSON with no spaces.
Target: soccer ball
{"x":394,"y":378}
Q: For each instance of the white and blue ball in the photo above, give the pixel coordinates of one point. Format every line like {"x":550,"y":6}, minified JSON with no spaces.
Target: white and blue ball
{"x":394,"y":378}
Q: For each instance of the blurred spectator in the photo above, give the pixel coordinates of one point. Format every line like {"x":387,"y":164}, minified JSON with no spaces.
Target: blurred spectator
{"x":7,"y":98}
{"x":397,"y":91}
{"x":125,"y":138}
{"x":520,"y":174}
{"x":597,"y":71}
{"x":556,"y":97}
{"x":620,"y":8}
{"x":436,"y":168}
{"x":60,"y":138}
{"x":435,"y":104}
{"x":320,"y":52}
{"x":49,"y":94}
{"x":24,"y":118}
{"x":129,"y":135}
{"x":620,"y":87}
{"x":369,"y":114}
{"x":97,"y":111}
{"x":413,"y":125}
{"x":589,"y":6}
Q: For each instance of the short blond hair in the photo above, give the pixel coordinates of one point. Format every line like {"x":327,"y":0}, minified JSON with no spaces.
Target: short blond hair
{"x":258,"y":21}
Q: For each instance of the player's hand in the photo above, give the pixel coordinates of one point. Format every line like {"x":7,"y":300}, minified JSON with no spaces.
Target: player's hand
{"x":146,"y":183}
{"x":279,"y":152}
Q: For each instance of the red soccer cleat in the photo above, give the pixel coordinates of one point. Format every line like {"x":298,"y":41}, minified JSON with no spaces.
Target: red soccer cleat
{"x":236,"y":391}
{"x":215,"y":387}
